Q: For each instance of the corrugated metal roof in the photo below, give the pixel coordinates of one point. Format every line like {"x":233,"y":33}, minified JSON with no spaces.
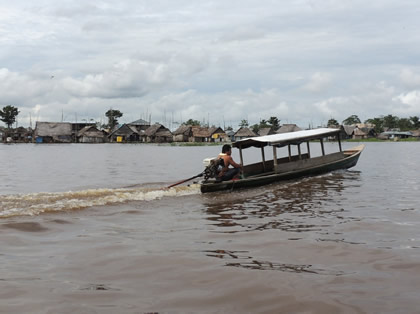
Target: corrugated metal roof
{"x":285,"y":138}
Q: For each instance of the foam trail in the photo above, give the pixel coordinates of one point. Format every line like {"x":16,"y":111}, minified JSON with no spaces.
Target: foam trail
{"x":37,"y":203}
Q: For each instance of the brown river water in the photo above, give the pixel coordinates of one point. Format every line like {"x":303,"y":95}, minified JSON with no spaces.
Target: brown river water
{"x":89,"y":229}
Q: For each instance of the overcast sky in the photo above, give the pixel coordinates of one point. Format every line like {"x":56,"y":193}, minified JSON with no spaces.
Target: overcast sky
{"x":303,"y":61}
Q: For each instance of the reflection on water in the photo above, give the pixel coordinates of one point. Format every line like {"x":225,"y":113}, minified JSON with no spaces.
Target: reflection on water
{"x":248,"y":262}
{"x":294,"y":206}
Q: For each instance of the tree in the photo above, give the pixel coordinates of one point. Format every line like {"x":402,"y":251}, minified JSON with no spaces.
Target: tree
{"x":405,"y":124}
{"x":8,"y":115}
{"x":192,"y":122}
{"x":275,"y":123}
{"x":353,"y":119}
{"x":416,"y":122}
{"x":391,"y":122}
{"x":113,"y":116}
{"x":378,"y":123}
{"x":332,"y":122}
{"x":244,"y":123}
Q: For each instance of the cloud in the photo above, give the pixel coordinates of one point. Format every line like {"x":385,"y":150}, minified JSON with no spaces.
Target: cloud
{"x":410,"y":103}
{"x":301,"y":61}
{"x":410,"y":78}
{"x":318,"y":82}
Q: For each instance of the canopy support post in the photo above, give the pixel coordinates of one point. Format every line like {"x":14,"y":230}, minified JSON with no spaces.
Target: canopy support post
{"x":290,"y":152}
{"x":240,"y":155}
{"x":339,"y":142}
{"x":275,"y":158}
{"x":322,"y":146}
{"x":263,"y":157}
{"x":300,"y":152}
{"x":309,"y":150}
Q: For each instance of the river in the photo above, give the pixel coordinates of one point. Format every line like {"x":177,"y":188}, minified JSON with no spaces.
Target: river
{"x":89,"y":229}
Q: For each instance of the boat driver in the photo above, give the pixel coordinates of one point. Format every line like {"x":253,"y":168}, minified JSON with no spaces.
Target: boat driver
{"x":227,"y":173}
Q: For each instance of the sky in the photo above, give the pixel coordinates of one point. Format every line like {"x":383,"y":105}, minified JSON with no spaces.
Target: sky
{"x":218,"y":62}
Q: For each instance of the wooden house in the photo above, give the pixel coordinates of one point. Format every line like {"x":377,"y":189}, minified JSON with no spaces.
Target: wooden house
{"x":216,"y":134}
{"x":183,"y":134}
{"x":285,"y":128}
{"x":157,"y":133}
{"x":90,"y":134}
{"x":200,"y":134}
{"x":124,"y":134}
{"x":265,"y":131}
{"x":140,"y":125}
{"x":243,"y":133}
{"x":53,"y":132}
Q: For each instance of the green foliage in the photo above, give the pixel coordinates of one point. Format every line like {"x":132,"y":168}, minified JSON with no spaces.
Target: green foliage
{"x":113,"y":116}
{"x":416,"y":122}
{"x":8,"y":115}
{"x":353,"y":119}
{"x":390,"y":122}
{"x":378,"y":123}
{"x":244,"y":124}
{"x":273,"y":123}
{"x":332,"y":122}
{"x":192,"y":122}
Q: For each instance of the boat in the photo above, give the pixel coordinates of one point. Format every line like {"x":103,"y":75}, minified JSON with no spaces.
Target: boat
{"x":293,"y":165}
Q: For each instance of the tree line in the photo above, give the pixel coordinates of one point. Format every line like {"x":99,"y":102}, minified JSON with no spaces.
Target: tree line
{"x":9,"y":114}
{"x":382,"y":123}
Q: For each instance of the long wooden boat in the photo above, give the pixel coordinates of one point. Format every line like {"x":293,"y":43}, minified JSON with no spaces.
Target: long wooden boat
{"x":292,"y":166}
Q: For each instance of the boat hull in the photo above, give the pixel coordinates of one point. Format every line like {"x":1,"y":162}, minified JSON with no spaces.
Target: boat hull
{"x":298,"y":169}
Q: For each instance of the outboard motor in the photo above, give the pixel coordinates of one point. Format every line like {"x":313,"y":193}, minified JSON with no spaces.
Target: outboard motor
{"x":212,"y":167}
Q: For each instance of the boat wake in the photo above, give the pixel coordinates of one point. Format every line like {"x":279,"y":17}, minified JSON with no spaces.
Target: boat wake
{"x":37,"y":203}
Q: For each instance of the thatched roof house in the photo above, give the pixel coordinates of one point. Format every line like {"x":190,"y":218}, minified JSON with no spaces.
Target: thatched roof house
{"x":203,"y":134}
{"x":265,"y":131}
{"x":200,"y":134}
{"x":286,"y":128}
{"x":217,"y":134}
{"x":243,"y":133}
{"x":125,"y":133}
{"x":140,"y":124}
{"x":157,"y":133}
{"x":183,"y":133}
{"x":53,"y":132}
{"x":91,"y":134}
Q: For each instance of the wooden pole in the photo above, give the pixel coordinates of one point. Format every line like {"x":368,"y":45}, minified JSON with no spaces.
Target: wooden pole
{"x":275,"y":158}
{"x":300,"y":153}
{"x":322,"y":146}
{"x":263,"y":157}
{"x":309,"y":150}
{"x":240,"y":155}
{"x":339,"y":142}
{"x":290,"y":152}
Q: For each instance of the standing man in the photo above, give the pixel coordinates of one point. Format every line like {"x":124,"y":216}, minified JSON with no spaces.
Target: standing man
{"x":228,"y":173}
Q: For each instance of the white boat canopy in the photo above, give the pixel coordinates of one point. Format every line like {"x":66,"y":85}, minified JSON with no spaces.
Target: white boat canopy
{"x":283,"y":139}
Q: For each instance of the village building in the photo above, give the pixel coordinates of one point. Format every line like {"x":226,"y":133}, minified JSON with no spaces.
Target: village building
{"x":157,"y":133}
{"x":265,"y":131}
{"x":53,"y":132}
{"x":285,"y":128}
{"x":124,"y":134}
{"x":140,"y":125}
{"x":91,"y":134}
{"x":243,"y":133}
{"x":2,"y":135}
{"x":207,"y":135}
{"x":183,"y":134}
{"x":230,"y":135}
{"x":200,"y":134}
{"x":394,"y":135}
{"x":416,"y":133}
